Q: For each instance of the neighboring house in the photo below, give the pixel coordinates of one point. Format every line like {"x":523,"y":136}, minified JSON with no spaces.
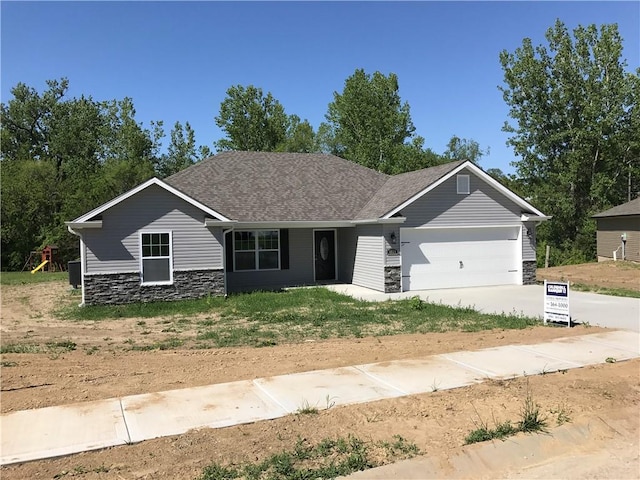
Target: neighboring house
{"x":616,"y":227}
{"x":243,"y":221}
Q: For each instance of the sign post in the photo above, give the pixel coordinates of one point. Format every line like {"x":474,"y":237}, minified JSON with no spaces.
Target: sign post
{"x":556,"y":302}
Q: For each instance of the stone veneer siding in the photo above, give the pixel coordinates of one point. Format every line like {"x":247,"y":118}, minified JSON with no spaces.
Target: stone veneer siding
{"x":529,"y":272}
{"x":391,"y":279}
{"x":118,"y":288}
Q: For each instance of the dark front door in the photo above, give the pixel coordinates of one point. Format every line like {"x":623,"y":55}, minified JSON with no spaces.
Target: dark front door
{"x":325,"y":254}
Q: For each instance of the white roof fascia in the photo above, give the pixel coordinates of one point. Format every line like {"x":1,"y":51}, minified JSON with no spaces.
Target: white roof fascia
{"x":393,"y":220}
{"x":294,"y":224}
{"x":88,"y":224}
{"x":534,"y":218}
{"x":139,"y":188}
{"x":483,"y":176}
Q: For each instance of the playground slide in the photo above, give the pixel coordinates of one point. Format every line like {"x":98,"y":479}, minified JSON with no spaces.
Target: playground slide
{"x":39,"y":266}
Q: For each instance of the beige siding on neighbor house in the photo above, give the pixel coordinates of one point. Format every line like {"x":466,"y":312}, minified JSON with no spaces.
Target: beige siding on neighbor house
{"x":115,"y":248}
{"x":608,"y":237}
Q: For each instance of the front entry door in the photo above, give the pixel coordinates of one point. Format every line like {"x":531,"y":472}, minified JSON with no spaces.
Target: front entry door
{"x":325,"y":254}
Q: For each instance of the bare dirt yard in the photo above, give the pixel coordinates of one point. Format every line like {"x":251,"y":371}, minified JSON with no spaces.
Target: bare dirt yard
{"x":625,"y":275}
{"x":103,"y":365}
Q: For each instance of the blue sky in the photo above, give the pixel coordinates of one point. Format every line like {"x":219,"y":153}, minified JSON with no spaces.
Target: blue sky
{"x":177,"y":59}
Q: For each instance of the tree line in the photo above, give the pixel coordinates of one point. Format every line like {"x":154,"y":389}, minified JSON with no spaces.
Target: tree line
{"x":576,"y":137}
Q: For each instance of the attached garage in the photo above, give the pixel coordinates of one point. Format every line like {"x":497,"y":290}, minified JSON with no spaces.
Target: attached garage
{"x":452,"y":257}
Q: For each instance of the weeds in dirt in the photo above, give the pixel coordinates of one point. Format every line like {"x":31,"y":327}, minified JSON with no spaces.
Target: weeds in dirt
{"x":20,"y":348}
{"x":168,"y":344}
{"x":82,"y":470}
{"x":531,"y":420}
{"x":330,"y":458}
{"x":5,"y":363}
{"x":562,"y":413}
{"x":307,"y":409}
{"x":52,"y":348}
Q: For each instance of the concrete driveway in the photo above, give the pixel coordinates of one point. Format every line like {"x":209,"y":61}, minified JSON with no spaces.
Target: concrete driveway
{"x":528,"y":300}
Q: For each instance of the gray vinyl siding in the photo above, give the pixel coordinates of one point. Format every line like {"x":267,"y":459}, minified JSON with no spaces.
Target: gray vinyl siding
{"x":300,"y":270}
{"x":115,"y":248}
{"x":608,"y":237}
{"x":368,"y":269}
{"x":443,"y":206}
{"x":528,"y":241}
{"x":347,"y":241}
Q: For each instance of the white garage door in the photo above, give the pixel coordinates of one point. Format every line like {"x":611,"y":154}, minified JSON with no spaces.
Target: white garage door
{"x":460,"y":257}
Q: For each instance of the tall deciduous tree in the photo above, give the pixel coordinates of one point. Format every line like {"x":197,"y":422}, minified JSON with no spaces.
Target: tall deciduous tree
{"x":300,"y":137}
{"x":576,"y":127}
{"x":368,"y":120}
{"x":464,"y":149}
{"x":251,"y":120}
{"x":181,"y":152}
{"x":61,"y":157}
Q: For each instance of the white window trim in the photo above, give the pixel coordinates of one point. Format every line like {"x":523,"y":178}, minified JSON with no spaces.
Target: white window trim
{"x":257,"y":250}
{"x":166,"y":282}
{"x":462,"y":191}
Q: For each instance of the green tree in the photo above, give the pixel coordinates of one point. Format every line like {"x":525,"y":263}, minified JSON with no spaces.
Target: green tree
{"x":181,"y":152}
{"x":61,"y":157}
{"x":368,"y":121}
{"x":576,"y":128}
{"x":300,"y":137}
{"x":464,"y":149}
{"x":251,"y":120}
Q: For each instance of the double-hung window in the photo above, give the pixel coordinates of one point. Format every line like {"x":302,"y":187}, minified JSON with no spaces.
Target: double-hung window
{"x":256,"y":250}
{"x":156,"y":258}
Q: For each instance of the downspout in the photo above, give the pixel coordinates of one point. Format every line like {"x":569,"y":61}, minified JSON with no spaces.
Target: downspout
{"x":83,"y":260}
{"x":224,"y":258}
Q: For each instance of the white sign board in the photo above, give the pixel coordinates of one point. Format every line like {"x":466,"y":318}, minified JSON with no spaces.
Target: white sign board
{"x":556,"y":302}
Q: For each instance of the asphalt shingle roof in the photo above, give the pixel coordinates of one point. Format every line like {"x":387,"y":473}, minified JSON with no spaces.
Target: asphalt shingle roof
{"x":268,"y":186}
{"x":629,"y":208}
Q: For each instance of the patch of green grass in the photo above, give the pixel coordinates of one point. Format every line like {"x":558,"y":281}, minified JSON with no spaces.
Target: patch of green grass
{"x":168,"y":344}
{"x":55,"y":348}
{"x":330,"y":458}
{"x":24,"y":278}
{"x":20,"y":348}
{"x":5,"y":363}
{"x":615,"y":292}
{"x":262,"y":319}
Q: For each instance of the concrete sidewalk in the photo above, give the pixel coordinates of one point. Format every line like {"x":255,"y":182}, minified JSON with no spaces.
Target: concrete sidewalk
{"x":54,"y":431}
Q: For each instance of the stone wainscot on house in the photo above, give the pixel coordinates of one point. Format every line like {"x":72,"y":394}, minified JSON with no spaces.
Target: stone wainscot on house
{"x":618,"y":228}
{"x":242,"y":221}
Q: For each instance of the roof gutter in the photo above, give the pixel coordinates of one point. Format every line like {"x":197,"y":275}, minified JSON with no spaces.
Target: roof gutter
{"x":281,"y":224}
{"x":525,"y":217}
{"x":81,"y":225}
{"x":392,"y":220}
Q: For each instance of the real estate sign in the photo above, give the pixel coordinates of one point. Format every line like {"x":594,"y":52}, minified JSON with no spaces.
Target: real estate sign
{"x":556,"y":302}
